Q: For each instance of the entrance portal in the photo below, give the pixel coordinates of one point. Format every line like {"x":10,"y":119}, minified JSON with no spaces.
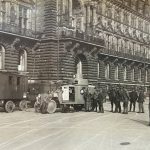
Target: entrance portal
{"x":81,"y":66}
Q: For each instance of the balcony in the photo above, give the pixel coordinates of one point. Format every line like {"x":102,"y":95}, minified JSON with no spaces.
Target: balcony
{"x":82,"y":36}
{"x":125,"y":55}
{"x":13,"y":29}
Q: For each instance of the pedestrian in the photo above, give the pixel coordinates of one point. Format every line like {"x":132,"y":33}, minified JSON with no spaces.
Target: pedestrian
{"x":133,"y":98}
{"x":125,"y":99}
{"x":87,"y":99}
{"x":104,"y":91}
{"x":112,"y":96}
{"x":117,"y":100}
{"x":141,"y":101}
{"x":100,"y":101}
{"x":94,"y":100}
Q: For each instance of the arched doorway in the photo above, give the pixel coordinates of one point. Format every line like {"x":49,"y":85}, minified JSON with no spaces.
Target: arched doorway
{"x":22,"y":66}
{"x":2,"y":57}
{"x":81,"y":66}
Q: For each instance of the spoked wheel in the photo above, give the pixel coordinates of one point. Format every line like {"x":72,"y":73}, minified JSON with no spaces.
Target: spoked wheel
{"x":23,"y":105}
{"x":9,"y":106}
{"x":51,"y":108}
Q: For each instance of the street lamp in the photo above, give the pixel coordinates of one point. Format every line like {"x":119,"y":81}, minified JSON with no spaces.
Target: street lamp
{"x":58,"y":43}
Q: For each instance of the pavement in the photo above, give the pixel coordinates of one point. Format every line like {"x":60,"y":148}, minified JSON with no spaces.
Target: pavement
{"x":74,"y":131}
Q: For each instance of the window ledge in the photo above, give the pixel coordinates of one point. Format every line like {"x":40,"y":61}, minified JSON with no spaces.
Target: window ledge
{"x":3,"y":70}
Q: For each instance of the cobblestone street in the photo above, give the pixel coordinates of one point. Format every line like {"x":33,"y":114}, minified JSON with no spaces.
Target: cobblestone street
{"x":74,"y":131}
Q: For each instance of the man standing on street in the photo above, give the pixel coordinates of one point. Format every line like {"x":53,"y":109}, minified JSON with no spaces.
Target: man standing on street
{"x":94,"y":98}
{"x":141,"y":101}
{"x":117,"y":100}
{"x":125,"y":99}
{"x":133,"y":98}
{"x":112,"y":96}
{"x":100,"y":101}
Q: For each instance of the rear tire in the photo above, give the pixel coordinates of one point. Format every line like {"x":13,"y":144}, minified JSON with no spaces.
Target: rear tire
{"x":51,"y":108}
{"x":9,"y":106}
{"x":23,"y":105}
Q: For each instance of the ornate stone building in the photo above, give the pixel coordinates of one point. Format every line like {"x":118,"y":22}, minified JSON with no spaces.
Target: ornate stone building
{"x":104,"y":41}
{"x":17,"y":36}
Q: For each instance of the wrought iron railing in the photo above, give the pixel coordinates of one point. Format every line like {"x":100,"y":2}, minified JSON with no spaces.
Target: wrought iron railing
{"x":125,"y":55}
{"x":17,"y":30}
{"x":67,"y":33}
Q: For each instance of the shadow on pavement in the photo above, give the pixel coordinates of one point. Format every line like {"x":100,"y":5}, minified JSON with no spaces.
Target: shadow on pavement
{"x":146,"y":123}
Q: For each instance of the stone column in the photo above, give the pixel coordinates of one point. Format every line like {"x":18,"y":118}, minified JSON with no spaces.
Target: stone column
{"x":70,"y":12}
{"x":94,"y":18}
{"x":88,"y":17}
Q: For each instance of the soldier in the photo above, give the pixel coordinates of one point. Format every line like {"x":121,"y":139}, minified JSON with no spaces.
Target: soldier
{"x":112,"y":96}
{"x":94,"y":98}
{"x":117,"y":100}
{"x":125,"y":99}
{"x":141,"y":101}
{"x":133,"y":98}
{"x":87,"y":98}
{"x":100,"y":101}
{"x":38,"y":103}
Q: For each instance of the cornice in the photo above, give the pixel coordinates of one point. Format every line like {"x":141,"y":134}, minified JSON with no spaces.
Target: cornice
{"x":129,"y":10}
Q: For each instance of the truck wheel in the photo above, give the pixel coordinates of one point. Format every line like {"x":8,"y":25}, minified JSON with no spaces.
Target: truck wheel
{"x":51,"y":108}
{"x":9,"y":106}
{"x":44,"y":107}
{"x":23,"y":105}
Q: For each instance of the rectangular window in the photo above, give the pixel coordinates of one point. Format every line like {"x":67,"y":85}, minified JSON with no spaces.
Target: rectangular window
{"x":116,"y":72}
{"x":18,"y":81}
{"x":107,"y":71}
{"x":125,"y":73}
{"x":98,"y":70}
{"x":146,"y":73}
{"x":140,"y":75}
{"x":10,"y":80}
{"x":132,"y":74}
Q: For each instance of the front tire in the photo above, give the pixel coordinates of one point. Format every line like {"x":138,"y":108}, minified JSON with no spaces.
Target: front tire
{"x":51,"y":108}
{"x":9,"y":106}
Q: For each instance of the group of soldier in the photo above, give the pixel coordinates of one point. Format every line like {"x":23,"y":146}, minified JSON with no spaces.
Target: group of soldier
{"x":117,"y":95}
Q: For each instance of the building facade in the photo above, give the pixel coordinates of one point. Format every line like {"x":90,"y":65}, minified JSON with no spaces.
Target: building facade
{"x":54,"y":41}
{"x":18,"y":40}
{"x":104,"y":41}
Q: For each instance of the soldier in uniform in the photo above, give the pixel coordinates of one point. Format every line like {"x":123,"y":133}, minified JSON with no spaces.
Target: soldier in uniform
{"x":117,"y":100}
{"x":100,"y":101}
{"x":125,"y":99}
{"x":94,"y":99}
{"x":112,"y":96}
{"x":87,"y":99}
{"x":141,"y":101}
{"x":133,"y":98}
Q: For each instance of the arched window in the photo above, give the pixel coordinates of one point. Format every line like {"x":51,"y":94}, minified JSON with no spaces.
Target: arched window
{"x":81,"y":66}
{"x":12,"y":15}
{"x":107,"y":70}
{"x":146,"y":75}
{"x":98,"y":69}
{"x":125,"y":73}
{"x":140,"y":75}
{"x":22,"y":61}
{"x":2,"y":57}
{"x":132,"y":74}
{"x":116,"y":72}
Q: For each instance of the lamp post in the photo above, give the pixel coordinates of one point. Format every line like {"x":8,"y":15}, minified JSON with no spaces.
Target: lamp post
{"x":58,"y":43}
